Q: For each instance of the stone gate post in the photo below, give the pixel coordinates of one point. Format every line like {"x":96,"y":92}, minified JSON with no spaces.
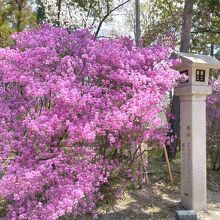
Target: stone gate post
{"x":193,"y":93}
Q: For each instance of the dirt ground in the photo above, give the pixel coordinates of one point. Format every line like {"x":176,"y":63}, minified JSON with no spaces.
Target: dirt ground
{"x":161,"y":200}
{"x":157,"y":204}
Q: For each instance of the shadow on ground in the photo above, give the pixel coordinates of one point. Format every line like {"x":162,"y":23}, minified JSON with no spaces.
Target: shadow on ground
{"x":155,"y":203}
{"x":161,"y":200}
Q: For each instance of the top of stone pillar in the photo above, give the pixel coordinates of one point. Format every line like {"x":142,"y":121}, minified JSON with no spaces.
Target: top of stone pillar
{"x":194,"y":59}
{"x":197,"y":69}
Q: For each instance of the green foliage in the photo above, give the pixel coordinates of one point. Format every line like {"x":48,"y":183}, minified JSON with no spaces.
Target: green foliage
{"x":206,"y":27}
{"x":5,"y":29}
{"x":166,"y":17}
{"x":15,"y":15}
{"x":94,"y":8}
{"x":40,"y":14}
{"x":5,"y":32}
{"x":3,"y":207}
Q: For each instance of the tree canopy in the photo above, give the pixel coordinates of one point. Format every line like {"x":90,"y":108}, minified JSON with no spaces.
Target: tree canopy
{"x":166,"y":17}
{"x":15,"y":16}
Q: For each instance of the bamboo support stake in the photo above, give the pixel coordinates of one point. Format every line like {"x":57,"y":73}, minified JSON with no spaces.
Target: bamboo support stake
{"x":144,"y":165}
{"x":168,"y":164}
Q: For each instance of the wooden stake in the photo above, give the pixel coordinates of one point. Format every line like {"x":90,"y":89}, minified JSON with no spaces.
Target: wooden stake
{"x":144,"y":165}
{"x":168,"y":164}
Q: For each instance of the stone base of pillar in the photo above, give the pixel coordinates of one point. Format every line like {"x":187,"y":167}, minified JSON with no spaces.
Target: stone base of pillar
{"x":186,"y":215}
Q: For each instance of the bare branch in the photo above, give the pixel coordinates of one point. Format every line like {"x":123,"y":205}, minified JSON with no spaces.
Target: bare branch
{"x":107,"y":14}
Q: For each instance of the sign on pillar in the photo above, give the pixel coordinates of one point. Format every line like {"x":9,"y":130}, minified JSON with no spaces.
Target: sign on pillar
{"x":193,"y":92}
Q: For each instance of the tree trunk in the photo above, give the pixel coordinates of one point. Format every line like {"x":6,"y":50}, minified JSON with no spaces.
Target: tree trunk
{"x":212,"y":50}
{"x":59,"y":2}
{"x":184,"y":47}
{"x":186,"y":27}
{"x":20,"y":5}
{"x":41,"y":16}
{"x":137,"y":22}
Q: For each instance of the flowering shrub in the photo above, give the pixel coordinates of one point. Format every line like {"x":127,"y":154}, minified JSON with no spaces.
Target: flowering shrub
{"x":213,"y":125}
{"x":69,"y":103}
{"x":54,"y":186}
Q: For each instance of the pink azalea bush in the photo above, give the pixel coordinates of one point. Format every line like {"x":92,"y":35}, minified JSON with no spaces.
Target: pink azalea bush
{"x":213,"y":125}
{"x":69,"y":103}
{"x":213,"y":101}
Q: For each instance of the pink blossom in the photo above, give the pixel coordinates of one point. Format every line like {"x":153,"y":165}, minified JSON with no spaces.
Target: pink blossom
{"x":64,"y":99}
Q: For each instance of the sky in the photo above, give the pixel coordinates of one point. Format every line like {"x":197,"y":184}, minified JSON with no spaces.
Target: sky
{"x":121,"y":22}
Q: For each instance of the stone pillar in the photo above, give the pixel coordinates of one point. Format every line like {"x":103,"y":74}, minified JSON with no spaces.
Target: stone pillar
{"x":193,"y":145}
{"x":193,"y":151}
{"x":193,"y":92}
